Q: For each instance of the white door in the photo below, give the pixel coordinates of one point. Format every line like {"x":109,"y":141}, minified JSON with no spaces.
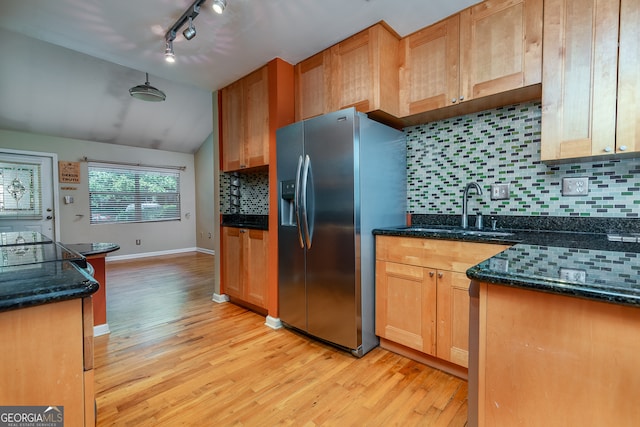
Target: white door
{"x":27,"y":192}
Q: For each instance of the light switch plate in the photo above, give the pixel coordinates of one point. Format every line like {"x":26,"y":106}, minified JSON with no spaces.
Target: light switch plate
{"x":575,"y":186}
{"x":499,"y":191}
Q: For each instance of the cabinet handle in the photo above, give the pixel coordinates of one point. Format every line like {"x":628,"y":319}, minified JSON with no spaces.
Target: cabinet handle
{"x":453,"y":100}
{"x":243,"y":230}
{"x":243,"y":166}
{"x":461,"y":98}
{"x":440,"y":275}
{"x":607,"y":149}
{"x":431,"y":274}
{"x":623,"y":148}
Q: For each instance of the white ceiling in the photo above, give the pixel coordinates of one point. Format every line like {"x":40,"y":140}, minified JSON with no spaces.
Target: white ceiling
{"x":68,"y":64}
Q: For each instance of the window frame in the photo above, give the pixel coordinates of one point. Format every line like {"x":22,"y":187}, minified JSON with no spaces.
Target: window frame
{"x":116,"y":210}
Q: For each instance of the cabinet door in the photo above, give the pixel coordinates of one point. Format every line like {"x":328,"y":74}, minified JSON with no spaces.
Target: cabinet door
{"x":453,"y":317}
{"x":429,"y":67}
{"x":406,"y":305}
{"x":364,"y":71}
{"x":500,"y":46}
{"x":579,"y":75}
{"x":256,"y":252}
{"x":256,"y":110}
{"x":312,"y":85}
{"x":628,"y":127}
{"x":232,"y":126}
{"x":232,"y":261}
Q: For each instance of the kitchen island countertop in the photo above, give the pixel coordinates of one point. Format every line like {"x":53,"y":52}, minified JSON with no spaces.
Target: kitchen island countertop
{"x":40,"y":271}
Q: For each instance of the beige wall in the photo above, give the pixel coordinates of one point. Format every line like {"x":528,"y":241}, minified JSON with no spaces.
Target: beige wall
{"x":155,"y":237}
{"x":206,"y":225}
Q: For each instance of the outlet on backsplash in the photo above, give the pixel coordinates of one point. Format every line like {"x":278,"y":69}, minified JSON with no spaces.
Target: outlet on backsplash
{"x":575,"y":186}
{"x":499,"y":191}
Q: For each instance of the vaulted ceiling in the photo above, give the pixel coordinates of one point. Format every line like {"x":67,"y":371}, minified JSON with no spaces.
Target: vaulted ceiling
{"x":67,"y":65}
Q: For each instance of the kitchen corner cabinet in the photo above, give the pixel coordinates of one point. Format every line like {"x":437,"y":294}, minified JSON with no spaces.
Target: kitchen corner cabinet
{"x":361,"y":72}
{"x":591,"y":86}
{"x":487,"y":49}
{"x":245,"y":264}
{"x":245,"y":122}
{"x":422,"y":298}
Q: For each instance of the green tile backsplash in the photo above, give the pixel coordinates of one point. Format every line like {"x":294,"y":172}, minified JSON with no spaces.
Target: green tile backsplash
{"x":503,"y":146}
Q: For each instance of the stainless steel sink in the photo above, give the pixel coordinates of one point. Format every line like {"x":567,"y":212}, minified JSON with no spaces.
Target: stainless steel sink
{"x":460,"y":231}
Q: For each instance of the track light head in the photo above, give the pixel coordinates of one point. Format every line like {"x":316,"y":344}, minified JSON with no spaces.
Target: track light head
{"x":169,"y":56}
{"x":190,"y":31}
{"x":219,"y":5}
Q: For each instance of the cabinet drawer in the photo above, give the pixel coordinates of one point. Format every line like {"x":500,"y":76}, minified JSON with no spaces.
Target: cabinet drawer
{"x":434,"y":253}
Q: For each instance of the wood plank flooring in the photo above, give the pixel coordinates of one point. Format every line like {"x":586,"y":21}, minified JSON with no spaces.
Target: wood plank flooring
{"x":175,"y":358}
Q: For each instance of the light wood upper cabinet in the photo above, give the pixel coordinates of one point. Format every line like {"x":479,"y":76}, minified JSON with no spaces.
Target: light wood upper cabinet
{"x":429,"y":72}
{"x":591,"y":88}
{"x":360,"y":72}
{"x":313,"y":86}
{"x":490,"y":48}
{"x":500,"y":46}
{"x":245,"y":122}
{"x":628,"y":124}
{"x":245,"y":264}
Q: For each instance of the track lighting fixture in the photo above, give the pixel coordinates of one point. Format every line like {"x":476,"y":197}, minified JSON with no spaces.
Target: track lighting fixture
{"x":146,"y":92}
{"x":169,"y":56}
{"x":219,"y":5}
{"x":190,"y":32}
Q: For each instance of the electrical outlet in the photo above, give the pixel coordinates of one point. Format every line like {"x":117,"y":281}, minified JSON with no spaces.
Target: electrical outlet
{"x":138,"y":242}
{"x":499,"y":191}
{"x":497,"y":264}
{"x":573,"y":275}
{"x":575,"y":186}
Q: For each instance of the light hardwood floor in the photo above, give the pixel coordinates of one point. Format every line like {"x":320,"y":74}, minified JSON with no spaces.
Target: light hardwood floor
{"x":175,"y":358}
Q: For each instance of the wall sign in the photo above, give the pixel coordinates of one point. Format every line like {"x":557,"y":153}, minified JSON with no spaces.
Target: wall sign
{"x":69,"y":172}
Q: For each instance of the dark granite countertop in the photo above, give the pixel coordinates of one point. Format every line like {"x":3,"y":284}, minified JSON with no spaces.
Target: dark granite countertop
{"x":89,"y":249}
{"x":256,"y":222}
{"x":595,"y":264}
{"x":41,"y":271}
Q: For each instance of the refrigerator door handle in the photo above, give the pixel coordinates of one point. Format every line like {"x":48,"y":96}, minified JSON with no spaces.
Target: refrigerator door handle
{"x":296,"y":203}
{"x":304,"y":210}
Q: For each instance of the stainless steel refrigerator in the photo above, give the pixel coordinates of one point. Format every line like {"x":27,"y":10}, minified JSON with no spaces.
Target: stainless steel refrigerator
{"x":340,"y":176}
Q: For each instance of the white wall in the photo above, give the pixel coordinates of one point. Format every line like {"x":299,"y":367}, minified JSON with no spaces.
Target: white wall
{"x":206,"y":220}
{"x":155,"y":237}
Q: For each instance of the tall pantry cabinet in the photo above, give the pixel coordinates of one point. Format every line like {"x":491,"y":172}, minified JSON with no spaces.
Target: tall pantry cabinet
{"x":251,"y":109}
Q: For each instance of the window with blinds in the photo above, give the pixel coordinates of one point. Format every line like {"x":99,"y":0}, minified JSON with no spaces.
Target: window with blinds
{"x":133,"y":194}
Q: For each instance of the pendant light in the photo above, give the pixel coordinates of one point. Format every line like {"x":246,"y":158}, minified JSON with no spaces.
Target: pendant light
{"x":146,"y":92}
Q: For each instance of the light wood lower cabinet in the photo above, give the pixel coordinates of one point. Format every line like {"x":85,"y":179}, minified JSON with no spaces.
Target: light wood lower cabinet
{"x":46,"y":358}
{"x":422,"y":299}
{"x":244,"y":265}
{"x":553,"y":360}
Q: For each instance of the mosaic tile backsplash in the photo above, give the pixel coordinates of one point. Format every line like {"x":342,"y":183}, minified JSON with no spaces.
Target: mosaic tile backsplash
{"x":495,"y":146}
{"x":254,"y":193}
{"x":503,"y":146}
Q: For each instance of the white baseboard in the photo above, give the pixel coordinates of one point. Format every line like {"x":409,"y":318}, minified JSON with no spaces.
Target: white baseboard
{"x":220,"y":298}
{"x":206,"y":251}
{"x":101,"y":330}
{"x":273,"y":322}
{"x":149,"y":254}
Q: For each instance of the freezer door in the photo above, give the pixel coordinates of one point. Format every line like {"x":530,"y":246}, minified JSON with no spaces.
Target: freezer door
{"x":331,"y":262}
{"x":291,"y":260}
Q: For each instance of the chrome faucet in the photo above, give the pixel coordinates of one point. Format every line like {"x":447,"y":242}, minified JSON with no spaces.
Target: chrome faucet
{"x":465,"y":195}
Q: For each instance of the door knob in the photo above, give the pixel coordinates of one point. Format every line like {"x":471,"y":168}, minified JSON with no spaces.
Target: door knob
{"x":49,"y":217}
